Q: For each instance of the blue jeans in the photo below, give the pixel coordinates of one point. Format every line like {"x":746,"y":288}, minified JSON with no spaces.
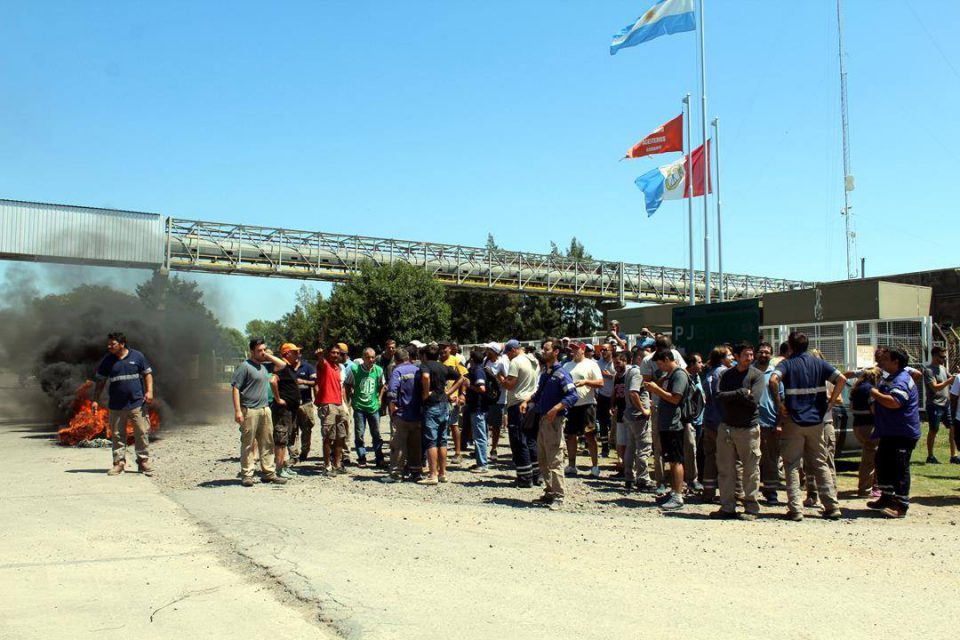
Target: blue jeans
{"x":435,"y":419}
{"x":480,"y":437}
{"x":362,"y":419}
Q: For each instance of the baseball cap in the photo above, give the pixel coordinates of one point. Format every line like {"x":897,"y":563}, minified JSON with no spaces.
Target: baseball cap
{"x":417,"y":344}
{"x":493,"y":346}
{"x":343,"y":347}
{"x":575,"y":345}
{"x":288,"y":347}
{"x":513,"y":343}
{"x":588,"y":347}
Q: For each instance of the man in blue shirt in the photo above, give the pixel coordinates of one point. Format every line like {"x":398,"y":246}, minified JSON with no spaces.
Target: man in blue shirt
{"x":131,"y":387}
{"x":406,"y":414}
{"x":805,"y":380}
{"x":896,"y":406}
{"x":307,"y":412}
{"x":770,"y":476}
{"x":555,"y":394}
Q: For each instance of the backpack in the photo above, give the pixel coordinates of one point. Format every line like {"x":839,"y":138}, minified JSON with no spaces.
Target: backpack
{"x":492,"y":388}
{"x":691,"y":404}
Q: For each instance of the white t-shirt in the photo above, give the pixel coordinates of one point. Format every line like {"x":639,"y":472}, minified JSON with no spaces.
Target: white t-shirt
{"x":649,"y":368}
{"x":586,"y":369}
{"x":955,"y":387}
{"x":526,"y":370}
{"x":498,"y":366}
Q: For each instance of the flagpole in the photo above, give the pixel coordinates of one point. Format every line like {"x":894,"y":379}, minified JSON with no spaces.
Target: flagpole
{"x":706,"y":173}
{"x":716,"y":151}
{"x":689,"y":181}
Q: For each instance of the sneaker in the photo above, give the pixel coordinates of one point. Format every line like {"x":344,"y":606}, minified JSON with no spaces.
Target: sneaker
{"x":893,"y":512}
{"x":247,"y":482}
{"x":811,"y":501}
{"x":720,"y":514}
{"x":605,"y":451}
{"x":443,"y":479}
{"x":362,"y":464}
{"x":832,"y":515}
{"x":595,"y":472}
{"x":954,"y":459}
{"x":880,"y":503}
{"x":747,"y":517}
{"x":696,"y":487}
{"x":479,"y":470}
{"x":628,"y":486}
{"x":662,"y":490}
{"x":456,"y":461}
{"x":793,"y":516}
{"x":391,"y":479}
{"x":342,"y":470}
{"x":493,"y":455}
{"x":291,"y":471}
{"x":875,"y":493}
{"x":429,"y":481}
{"x":674,"y":503}
{"x":538,"y":481}
{"x":932,"y":460}
{"x":145,"y":467}
{"x":771,"y":497}
{"x":570,"y":472}
{"x":117,"y":469}
{"x":285,"y":473}
{"x":276,"y":480}
{"x":524,"y":484}
{"x":544,"y":499}
{"x":556,"y":505}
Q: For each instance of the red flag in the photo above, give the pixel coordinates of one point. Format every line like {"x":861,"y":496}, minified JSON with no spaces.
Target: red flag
{"x":668,"y":137}
{"x":696,"y":173}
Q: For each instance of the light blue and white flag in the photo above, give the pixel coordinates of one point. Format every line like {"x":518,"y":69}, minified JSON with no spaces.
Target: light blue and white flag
{"x":665,"y":17}
{"x":666,"y":183}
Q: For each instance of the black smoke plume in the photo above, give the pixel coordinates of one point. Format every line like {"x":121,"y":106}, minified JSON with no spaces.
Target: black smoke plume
{"x":61,"y":338}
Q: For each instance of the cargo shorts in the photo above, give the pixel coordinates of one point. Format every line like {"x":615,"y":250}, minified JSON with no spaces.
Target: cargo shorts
{"x":333,"y":421}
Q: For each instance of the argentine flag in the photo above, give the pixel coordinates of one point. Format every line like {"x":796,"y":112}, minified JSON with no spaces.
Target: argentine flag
{"x":666,"y":183}
{"x":665,"y":17}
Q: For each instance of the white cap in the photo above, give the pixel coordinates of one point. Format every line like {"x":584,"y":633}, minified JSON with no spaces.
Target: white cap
{"x":417,"y":344}
{"x":493,"y":346}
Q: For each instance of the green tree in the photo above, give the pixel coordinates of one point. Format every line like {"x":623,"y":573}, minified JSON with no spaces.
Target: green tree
{"x":272,"y":331}
{"x":398,"y":301}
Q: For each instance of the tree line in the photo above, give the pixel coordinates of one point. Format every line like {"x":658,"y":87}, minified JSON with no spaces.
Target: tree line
{"x":404,"y":302}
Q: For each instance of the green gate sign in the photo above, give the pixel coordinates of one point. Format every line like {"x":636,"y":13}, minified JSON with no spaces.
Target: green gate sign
{"x":702,"y":327}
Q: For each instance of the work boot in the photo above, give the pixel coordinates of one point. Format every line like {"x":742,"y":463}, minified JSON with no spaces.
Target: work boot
{"x":117,"y":469}
{"x":247,"y":482}
{"x":275,"y":480}
{"x":145,"y":467}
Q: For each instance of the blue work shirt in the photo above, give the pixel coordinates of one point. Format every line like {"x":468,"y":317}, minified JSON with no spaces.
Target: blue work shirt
{"x":406,"y":391}
{"x":555,"y":386}
{"x":904,"y":421}
{"x":805,"y":380}
{"x":306,"y":372}
{"x":711,"y":387}
{"x":125,"y":378}
{"x":768,"y":408}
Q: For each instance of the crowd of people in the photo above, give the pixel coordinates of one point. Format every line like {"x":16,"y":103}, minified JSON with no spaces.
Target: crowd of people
{"x":735,"y":430}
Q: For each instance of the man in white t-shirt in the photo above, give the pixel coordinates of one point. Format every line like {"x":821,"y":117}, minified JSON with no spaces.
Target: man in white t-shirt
{"x":582,"y":417}
{"x":520,"y":383}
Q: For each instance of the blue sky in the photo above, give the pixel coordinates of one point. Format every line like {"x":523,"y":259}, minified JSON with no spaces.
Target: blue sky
{"x":445,"y":121}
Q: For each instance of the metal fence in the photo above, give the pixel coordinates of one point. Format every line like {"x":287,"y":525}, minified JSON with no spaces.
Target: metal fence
{"x":850,"y":345}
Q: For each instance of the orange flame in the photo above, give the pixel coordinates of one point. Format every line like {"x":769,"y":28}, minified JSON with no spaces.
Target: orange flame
{"x":87,"y":424}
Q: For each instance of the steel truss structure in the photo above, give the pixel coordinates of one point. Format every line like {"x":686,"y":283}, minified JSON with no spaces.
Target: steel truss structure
{"x":214,"y":247}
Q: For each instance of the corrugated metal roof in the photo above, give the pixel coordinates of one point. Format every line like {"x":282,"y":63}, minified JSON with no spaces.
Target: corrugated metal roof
{"x":35,"y":231}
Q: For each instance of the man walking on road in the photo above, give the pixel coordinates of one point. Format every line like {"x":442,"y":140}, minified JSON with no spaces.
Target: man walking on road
{"x":804,"y":408}
{"x":124,"y":369}
{"x":554,"y":396}
{"x":251,"y":411}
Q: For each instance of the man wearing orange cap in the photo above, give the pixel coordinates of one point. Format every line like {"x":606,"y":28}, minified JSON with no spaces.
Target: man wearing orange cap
{"x":286,"y":403}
